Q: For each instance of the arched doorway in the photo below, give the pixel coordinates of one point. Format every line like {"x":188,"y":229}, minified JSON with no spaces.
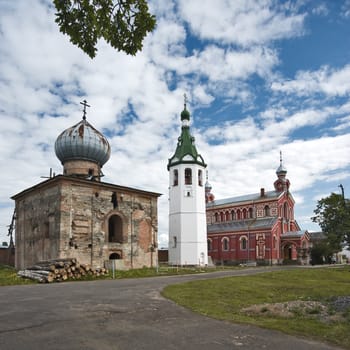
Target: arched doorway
{"x":115,"y":256}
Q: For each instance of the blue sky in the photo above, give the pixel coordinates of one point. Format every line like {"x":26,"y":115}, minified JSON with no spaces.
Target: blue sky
{"x":260,"y":76}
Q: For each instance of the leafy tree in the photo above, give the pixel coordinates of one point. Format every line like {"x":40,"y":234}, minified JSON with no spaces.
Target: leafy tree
{"x":333,"y":215}
{"x":122,"y":23}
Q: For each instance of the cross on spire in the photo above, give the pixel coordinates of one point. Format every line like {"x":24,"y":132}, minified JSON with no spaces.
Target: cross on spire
{"x":185,"y":100}
{"x":280,"y":157}
{"x":84,"y":103}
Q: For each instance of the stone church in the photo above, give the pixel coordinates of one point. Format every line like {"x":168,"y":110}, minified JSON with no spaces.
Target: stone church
{"x":77,"y":215}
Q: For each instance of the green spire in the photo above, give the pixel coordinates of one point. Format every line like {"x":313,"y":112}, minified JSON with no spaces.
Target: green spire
{"x":186,"y":151}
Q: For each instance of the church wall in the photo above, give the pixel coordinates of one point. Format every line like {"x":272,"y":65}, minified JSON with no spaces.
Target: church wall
{"x":88,"y":239}
{"x":37,"y":226}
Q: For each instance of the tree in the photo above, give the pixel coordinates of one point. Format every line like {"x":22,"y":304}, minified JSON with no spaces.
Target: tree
{"x":122,"y":23}
{"x":333,"y":215}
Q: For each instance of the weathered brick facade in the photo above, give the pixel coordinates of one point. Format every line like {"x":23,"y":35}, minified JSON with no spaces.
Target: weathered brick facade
{"x":70,"y":217}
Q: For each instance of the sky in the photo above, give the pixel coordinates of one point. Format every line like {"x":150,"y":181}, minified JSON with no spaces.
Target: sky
{"x":260,"y":76}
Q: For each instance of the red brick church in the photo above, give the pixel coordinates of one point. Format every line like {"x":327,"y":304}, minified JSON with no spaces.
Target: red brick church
{"x":256,"y":228}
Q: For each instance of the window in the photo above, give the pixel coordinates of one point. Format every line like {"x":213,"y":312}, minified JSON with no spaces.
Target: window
{"x":175,"y":177}
{"x":250,"y":213}
{"x":244,"y":213}
{"x":238,"y":215}
{"x":115,"y":229}
{"x":200,"y":178}
{"x":174,"y":241}
{"x":267,"y":210}
{"x":209,"y":245}
{"x":188,"y":176}
{"x":243,"y":243}
{"x":233,"y":215}
{"x":227,"y":214}
{"x":285,"y":211}
{"x":225,"y":244}
{"x":216,"y":217}
{"x":221,"y":216}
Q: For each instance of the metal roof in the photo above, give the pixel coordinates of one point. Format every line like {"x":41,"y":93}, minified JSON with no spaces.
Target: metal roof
{"x":245,"y":198}
{"x":82,"y":142}
{"x":241,"y":225}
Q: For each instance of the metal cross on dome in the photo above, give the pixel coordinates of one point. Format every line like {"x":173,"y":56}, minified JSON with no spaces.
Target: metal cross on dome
{"x":84,"y":103}
{"x":185,"y":99}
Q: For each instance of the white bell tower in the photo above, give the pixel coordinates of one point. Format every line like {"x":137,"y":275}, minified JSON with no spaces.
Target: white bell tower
{"x":187,"y":207}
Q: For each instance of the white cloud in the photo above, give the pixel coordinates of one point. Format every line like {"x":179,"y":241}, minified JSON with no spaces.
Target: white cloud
{"x":241,"y":22}
{"x":331,"y":82}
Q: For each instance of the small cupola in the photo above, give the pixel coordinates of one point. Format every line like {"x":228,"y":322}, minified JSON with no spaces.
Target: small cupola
{"x":186,"y":151}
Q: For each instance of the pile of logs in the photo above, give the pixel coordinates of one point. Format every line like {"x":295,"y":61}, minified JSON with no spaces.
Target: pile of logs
{"x":59,"y":270}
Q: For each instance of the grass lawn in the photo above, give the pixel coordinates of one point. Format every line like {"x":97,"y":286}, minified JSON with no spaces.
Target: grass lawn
{"x":299,"y":301}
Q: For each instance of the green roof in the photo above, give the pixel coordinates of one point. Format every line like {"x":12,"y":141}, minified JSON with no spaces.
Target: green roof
{"x":186,"y":151}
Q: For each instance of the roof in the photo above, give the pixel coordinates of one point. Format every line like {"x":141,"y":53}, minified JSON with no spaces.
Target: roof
{"x":186,"y":151}
{"x":82,"y":142}
{"x":242,"y":225}
{"x":294,"y":234}
{"x":245,"y":198}
{"x":59,"y":178}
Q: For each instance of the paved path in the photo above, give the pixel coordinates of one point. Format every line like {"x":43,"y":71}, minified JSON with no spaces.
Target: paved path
{"x":123,"y":314}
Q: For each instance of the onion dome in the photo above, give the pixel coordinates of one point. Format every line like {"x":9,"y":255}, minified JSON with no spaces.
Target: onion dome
{"x":82,"y":149}
{"x":82,"y":142}
{"x":282,"y":183}
{"x":281,"y":170}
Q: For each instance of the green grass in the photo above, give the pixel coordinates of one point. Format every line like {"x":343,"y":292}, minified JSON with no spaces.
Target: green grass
{"x":8,"y":277}
{"x":224,"y":299}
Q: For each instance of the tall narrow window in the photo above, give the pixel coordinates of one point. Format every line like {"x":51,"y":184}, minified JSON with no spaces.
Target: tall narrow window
{"x":175,"y":177}
{"x":115,"y":229}
{"x":209,"y":245}
{"x":216,"y":217}
{"x":238,"y":214}
{"x":227,"y":214}
{"x":244,"y":213}
{"x":250,"y":213}
{"x":285,"y":211}
{"x":233,"y":215}
{"x":200,"y":178}
{"x":188,"y":176}
{"x":225,"y":245}
{"x":243,"y":243}
{"x":267,"y":210}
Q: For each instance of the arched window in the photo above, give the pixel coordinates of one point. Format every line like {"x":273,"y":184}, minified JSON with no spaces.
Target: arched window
{"x":225,"y":244}
{"x":267,"y":210}
{"x":250,"y":213}
{"x":243,"y":243}
{"x":227,"y":214}
{"x":221,"y":216}
{"x":233,"y":215}
{"x":244,"y":213}
{"x":115,"y":229}
{"x":209,"y":244}
{"x":188,"y":176}
{"x":274,"y":242}
{"x":216,"y":217}
{"x":175,"y":177}
{"x":238,"y":214}
{"x":200,"y":178}
{"x":285,"y":210}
